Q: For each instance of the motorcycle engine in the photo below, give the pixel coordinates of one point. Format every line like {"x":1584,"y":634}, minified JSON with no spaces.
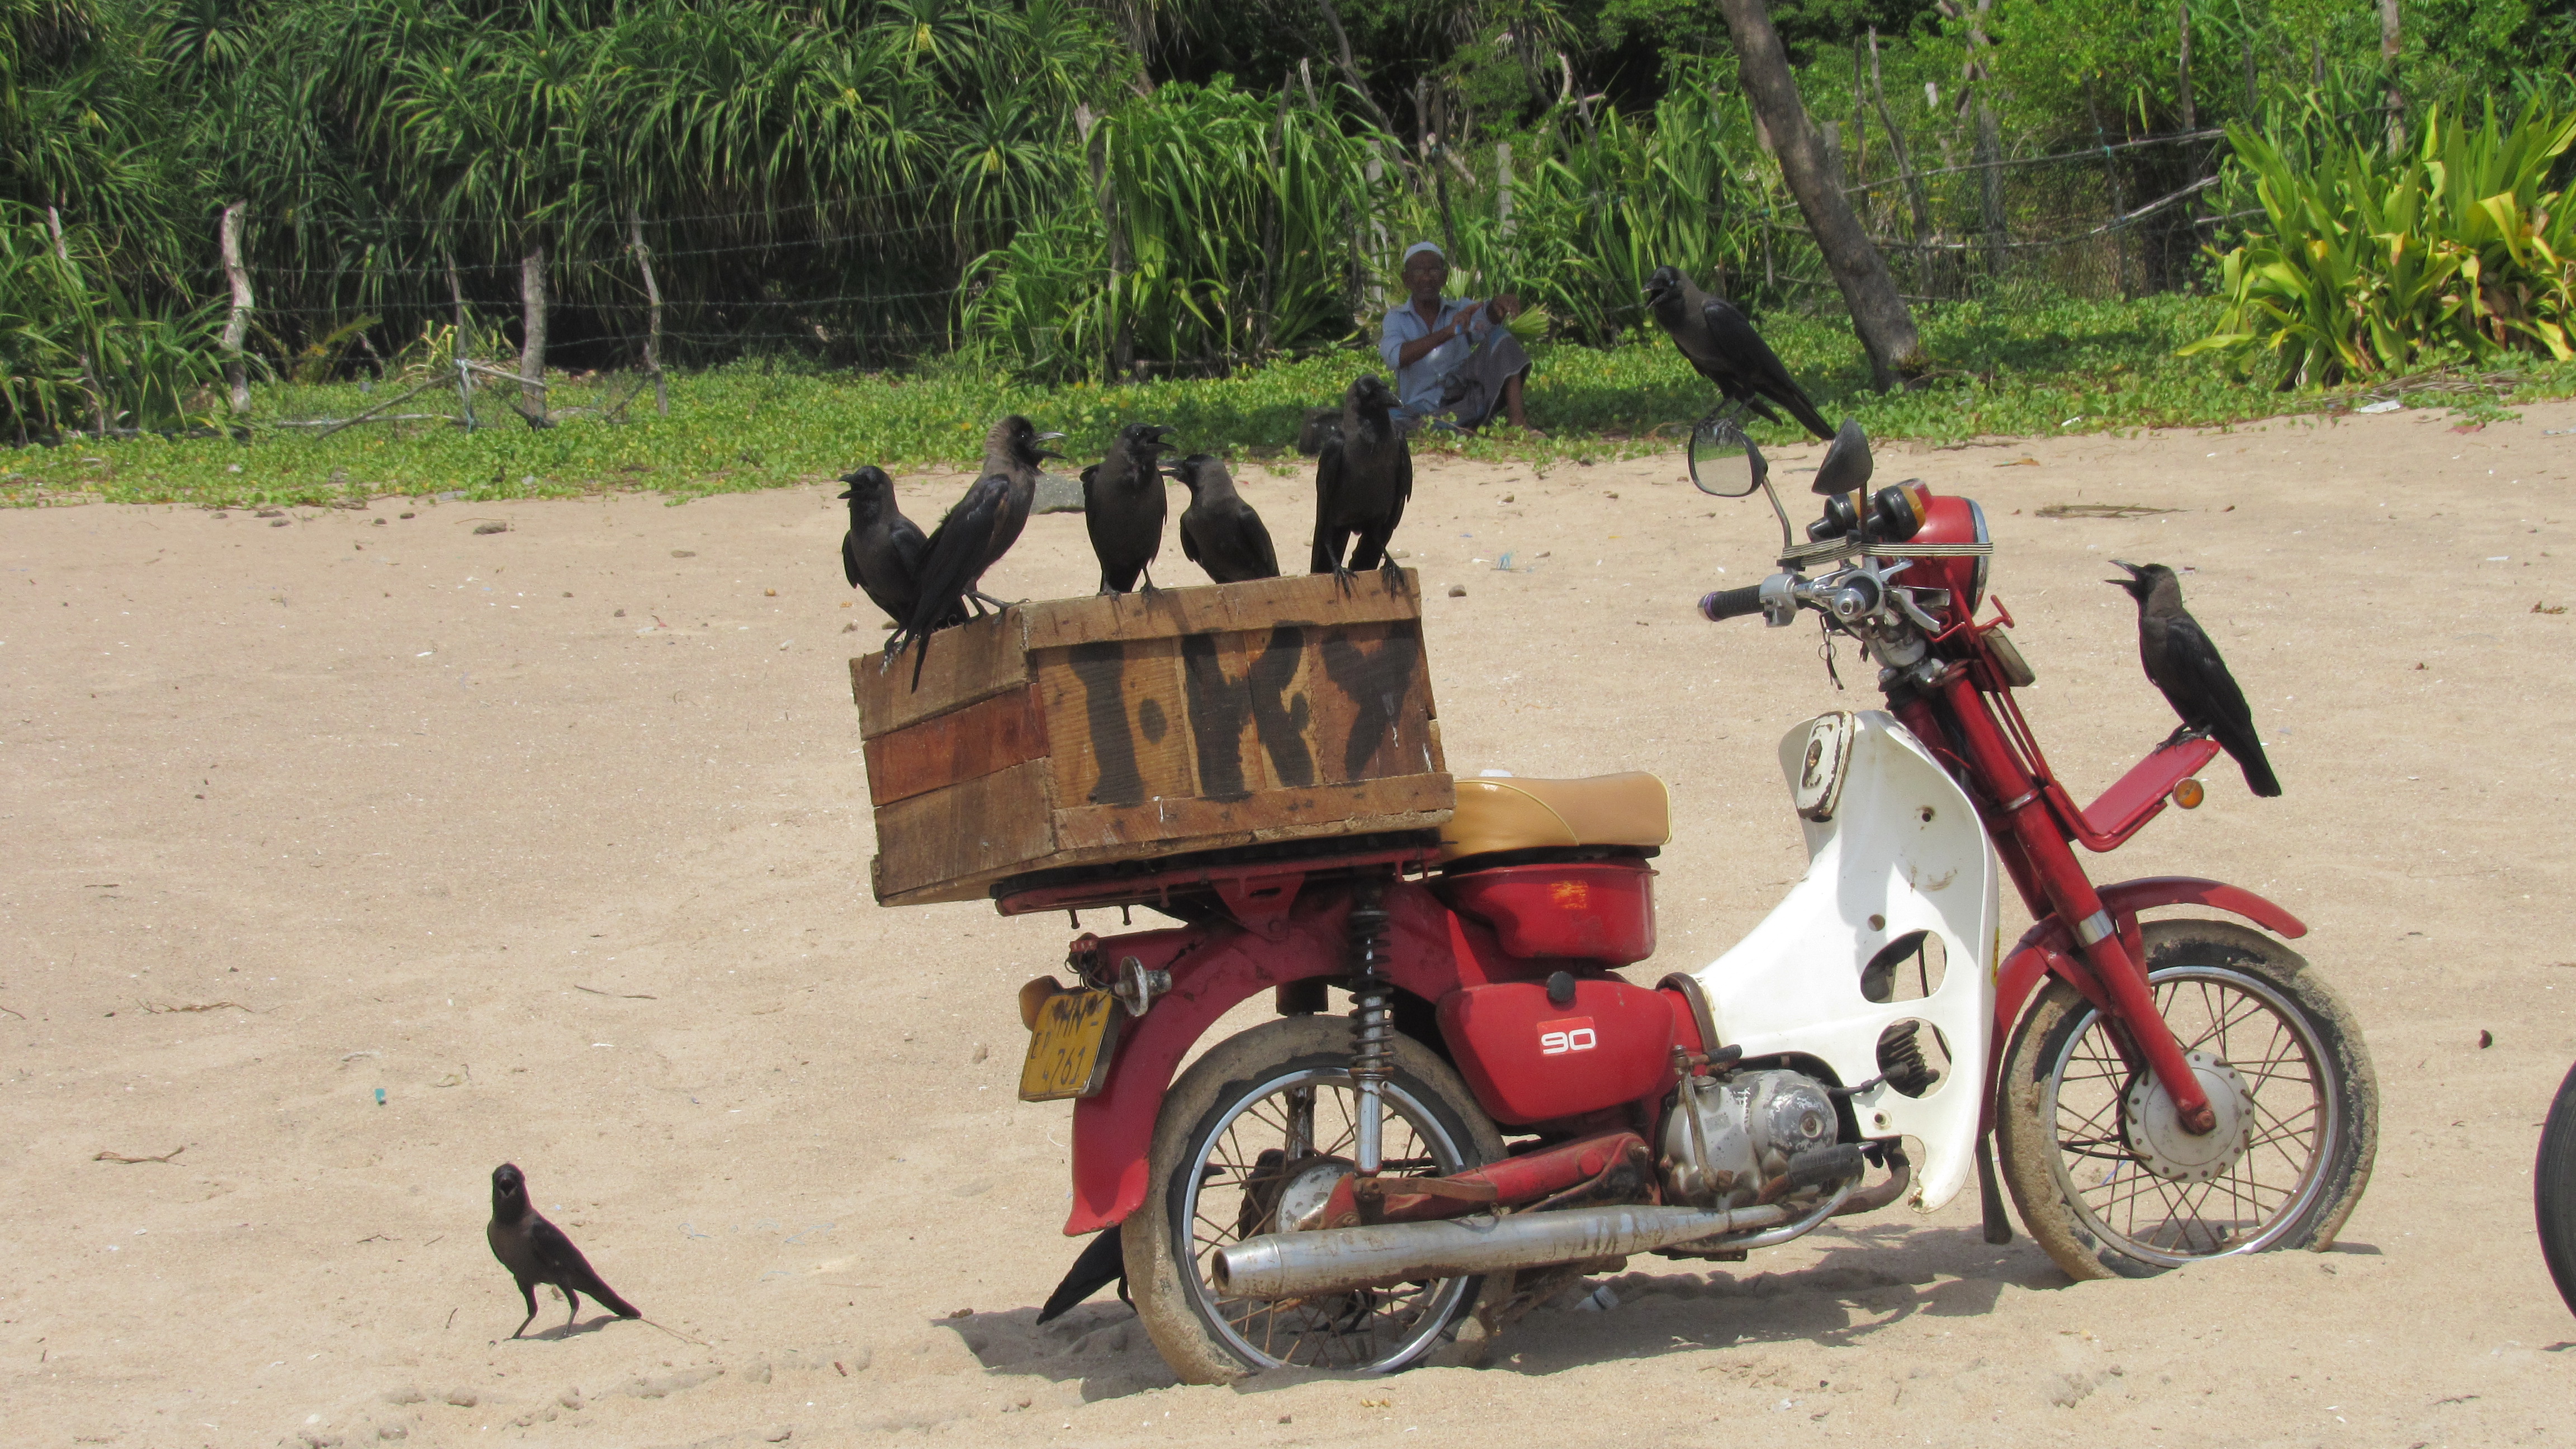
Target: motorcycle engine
{"x":1726,"y":1138}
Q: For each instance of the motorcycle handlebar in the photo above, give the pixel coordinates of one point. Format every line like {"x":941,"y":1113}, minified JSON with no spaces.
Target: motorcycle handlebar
{"x":1731,"y":603}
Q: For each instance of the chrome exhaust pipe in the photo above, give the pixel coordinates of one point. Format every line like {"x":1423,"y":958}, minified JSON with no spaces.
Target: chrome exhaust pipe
{"x":1287,"y":1265}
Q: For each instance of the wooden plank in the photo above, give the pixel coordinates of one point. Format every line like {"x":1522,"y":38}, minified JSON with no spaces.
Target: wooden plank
{"x":1117,"y":723}
{"x":1366,"y":690}
{"x":937,"y":846}
{"x":1405,"y":802}
{"x":975,"y":660}
{"x":961,"y":745}
{"x":1220,"y":609}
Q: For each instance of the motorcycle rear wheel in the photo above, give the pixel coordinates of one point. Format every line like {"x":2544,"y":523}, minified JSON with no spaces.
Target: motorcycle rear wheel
{"x":1222,"y":1140}
{"x":2065,"y":1139}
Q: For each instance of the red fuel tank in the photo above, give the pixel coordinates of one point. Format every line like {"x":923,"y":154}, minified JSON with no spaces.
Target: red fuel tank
{"x":1600,"y":910}
{"x":1531,"y":1060}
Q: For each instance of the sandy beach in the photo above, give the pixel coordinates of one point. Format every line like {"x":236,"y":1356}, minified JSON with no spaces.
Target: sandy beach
{"x":352,"y":852}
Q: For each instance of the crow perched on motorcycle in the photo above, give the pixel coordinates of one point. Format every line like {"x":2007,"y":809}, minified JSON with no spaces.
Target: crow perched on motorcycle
{"x":1362,"y":480}
{"x":881,"y":554}
{"x":1725,"y":349}
{"x":978,"y":530}
{"x":1123,"y":507}
{"x":536,"y":1251}
{"x":1219,"y":531}
{"x":2182,"y":663}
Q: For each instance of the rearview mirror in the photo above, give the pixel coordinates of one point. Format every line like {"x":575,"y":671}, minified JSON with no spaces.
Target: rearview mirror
{"x":1847,"y":462}
{"x":1723,"y":461}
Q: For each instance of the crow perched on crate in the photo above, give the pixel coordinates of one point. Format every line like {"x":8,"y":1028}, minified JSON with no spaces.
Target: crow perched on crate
{"x":2182,"y":663}
{"x":1726,"y":350}
{"x":1219,"y":531}
{"x":978,"y":530}
{"x":536,"y":1251}
{"x":1123,"y":507}
{"x":1362,"y":481}
{"x":881,"y":554}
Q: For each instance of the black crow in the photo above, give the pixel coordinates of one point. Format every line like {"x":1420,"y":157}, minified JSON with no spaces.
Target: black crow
{"x":1124,"y":505}
{"x":1727,"y":351}
{"x":978,"y":530}
{"x":1103,"y":1261}
{"x":1219,"y":531}
{"x":881,"y":554}
{"x":2183,"y":663}
{"x":1362,"y":479}
{"x":536,"y":1251}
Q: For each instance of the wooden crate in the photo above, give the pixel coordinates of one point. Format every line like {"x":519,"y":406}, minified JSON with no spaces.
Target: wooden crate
{"x":1079,"y":731}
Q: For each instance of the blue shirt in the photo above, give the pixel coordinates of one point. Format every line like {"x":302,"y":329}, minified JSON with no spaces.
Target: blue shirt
{"x":1418,"y":387}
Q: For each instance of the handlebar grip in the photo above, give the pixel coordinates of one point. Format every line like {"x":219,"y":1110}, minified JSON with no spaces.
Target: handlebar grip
{"x":1731,"y":603}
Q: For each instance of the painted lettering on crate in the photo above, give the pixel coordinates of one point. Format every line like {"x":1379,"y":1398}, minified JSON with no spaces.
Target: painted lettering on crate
{"x":1217,"y":703}
{"x":1102,"y":668}
{"x":1377,"y":680}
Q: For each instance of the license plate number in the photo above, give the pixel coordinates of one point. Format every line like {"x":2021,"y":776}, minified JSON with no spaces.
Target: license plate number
{"x":1070,"y":1047}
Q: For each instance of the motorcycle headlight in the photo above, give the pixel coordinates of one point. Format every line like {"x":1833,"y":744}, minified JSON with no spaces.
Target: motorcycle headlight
{"x":1977,"y":589}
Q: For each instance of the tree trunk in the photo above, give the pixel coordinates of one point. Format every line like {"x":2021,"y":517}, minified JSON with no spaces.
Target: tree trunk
{"x":1879,"y":315}
{"x":1503,"y":187}
{"x":2182,"y":60}
{"x":464,"y":348}
{"x":653,"y":325}
{"x":2391,"y":44}
{"x":532,"y":321}
{"x":1988,"y":152}
{"x":1916,"y":200}
{"x":236,"y":325}
{"x":89,"y":374}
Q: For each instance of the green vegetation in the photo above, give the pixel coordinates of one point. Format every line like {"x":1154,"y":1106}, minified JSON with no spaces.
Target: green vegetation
{"x":2019,"y":366}
{"x":2370,"y":264}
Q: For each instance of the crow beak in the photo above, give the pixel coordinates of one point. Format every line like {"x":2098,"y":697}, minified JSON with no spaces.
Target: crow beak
{"x":1049,"y":437}
{"x":2135,"y":573}
{"x":846,"y":492}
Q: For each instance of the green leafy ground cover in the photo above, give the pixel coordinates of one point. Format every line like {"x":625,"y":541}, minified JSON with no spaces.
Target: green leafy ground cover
{"x":2009,"y":367}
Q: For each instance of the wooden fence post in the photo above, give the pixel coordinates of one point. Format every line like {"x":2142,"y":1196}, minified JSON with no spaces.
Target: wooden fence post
{"x":532,"y":321}
{"x":2119,"y":204}
{"x":464,"y":344}
{"x":1989,"y":150}
{"x":653,"y":297}
{"x":237,"y":324}
{"x":1503,"y":187}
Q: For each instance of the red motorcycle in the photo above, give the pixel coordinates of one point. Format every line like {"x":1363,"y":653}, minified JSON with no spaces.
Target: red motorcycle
{"x":1500,"y":1112}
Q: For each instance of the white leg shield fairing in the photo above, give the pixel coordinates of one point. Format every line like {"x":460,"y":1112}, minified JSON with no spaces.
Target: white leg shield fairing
{"x":1894,"y":849}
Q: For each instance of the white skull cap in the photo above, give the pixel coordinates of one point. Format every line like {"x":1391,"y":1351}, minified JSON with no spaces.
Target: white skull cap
{"x":1418,"y":248}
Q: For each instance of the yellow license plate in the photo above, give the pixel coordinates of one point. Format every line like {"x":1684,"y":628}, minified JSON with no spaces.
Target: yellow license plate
{"x":1070,"y":1047}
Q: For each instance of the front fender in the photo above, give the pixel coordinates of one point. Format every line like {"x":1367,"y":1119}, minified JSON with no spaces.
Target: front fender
{"x":2047,"y":947}
{"x":1113,"y":1132}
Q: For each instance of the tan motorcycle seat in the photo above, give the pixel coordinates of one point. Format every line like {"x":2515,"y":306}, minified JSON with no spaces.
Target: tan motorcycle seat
{"x":1498,"y":813}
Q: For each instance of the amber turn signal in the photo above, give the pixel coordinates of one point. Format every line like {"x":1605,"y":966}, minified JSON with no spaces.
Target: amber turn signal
{"x":1035,"y":996}
{"x":2186,"y":794}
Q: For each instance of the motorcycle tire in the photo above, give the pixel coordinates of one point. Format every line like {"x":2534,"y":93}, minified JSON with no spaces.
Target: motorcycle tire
{"x":2069,"y":1151}
{"x":2553,"y":1189}
{"x":1209,"y":1128}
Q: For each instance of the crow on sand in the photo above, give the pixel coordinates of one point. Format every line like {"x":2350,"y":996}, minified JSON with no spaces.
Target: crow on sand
{"x":1362,"y":480}
{"x":1722,"y":345}
{"x":1219,"y":531}
{"x":1124,"y":505}
{"x":536,"y":1251}
{"x":2183,"y":664}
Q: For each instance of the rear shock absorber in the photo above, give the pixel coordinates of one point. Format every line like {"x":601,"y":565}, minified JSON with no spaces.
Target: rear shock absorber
{"x":1372,"y":1022}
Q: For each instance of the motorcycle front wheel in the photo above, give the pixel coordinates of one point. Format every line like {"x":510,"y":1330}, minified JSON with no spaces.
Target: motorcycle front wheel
{"x":2109,"y":1190}
{"x":2553,"y":1189}
{"x":1263,"y":1109}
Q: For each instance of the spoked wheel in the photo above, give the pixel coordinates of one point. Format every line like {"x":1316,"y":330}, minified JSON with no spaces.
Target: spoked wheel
{"x":2105,"y":1177}
{"x":1251,"y":1139}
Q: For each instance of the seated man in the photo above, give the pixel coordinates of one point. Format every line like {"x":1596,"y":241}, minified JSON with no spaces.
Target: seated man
{"x":1451,"y":356}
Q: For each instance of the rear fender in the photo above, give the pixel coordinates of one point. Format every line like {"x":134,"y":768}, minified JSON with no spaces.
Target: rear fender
{"x":1114,"y":1131}
{"x":2047,"y":949}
